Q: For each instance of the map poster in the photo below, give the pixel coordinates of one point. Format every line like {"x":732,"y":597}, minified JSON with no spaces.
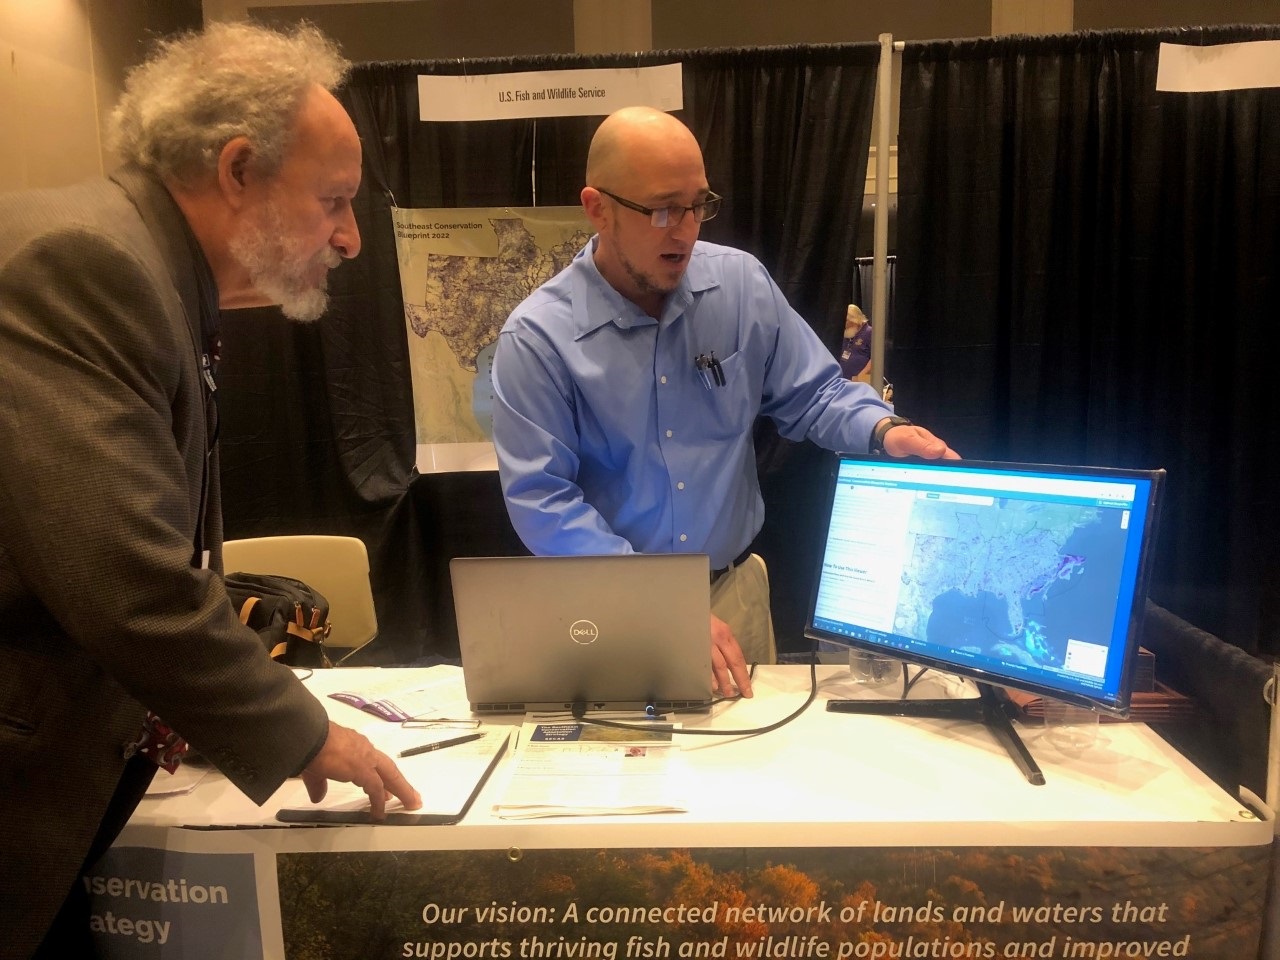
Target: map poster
{"x":462,"y":272}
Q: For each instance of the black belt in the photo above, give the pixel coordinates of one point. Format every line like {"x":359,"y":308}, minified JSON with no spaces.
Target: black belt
{"x":737,"y":561}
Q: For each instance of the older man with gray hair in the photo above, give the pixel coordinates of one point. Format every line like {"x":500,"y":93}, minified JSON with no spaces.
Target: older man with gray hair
{"x":114,"y":621}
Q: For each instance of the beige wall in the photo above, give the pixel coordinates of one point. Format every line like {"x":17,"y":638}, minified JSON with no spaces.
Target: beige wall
{"x":435,"y":29}
{"x":62,"y":62}
{"x":396,"y":29}
{"x":48,"y":105}
{"x":62,"y":66}
{"x":679,"y":24}
{"x":1114,"y":15}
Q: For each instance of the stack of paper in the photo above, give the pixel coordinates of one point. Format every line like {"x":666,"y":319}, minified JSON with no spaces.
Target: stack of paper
{"x":564,"y":767}
{"x":183,"y":780}
{"x":399,"y":694}
{"x":1164,"y":705}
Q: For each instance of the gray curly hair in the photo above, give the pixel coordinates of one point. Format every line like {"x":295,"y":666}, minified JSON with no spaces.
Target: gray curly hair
{"x":200,"y":90}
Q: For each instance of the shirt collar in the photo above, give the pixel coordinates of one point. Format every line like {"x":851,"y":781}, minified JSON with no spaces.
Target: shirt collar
{"x":596,"y":302}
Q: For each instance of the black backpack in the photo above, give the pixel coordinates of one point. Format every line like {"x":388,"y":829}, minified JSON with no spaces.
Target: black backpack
{"x":291,"y":618}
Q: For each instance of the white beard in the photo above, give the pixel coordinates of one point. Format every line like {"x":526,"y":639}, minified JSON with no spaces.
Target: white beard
{"x":262,"y":246}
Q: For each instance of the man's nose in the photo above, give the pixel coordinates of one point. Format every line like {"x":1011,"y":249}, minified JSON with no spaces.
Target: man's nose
{"x":346,"y":238}
{"x":687,"y":229}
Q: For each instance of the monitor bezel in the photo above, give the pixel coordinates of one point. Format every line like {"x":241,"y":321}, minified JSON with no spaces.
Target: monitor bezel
{"x":1118,"y":707}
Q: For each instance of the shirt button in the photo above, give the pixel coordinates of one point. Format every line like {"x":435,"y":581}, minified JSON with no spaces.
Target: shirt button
{"x":680,"y":485}
{"x":662,"y":379}
{"x":668,"y":433}
{"x":683,"y":537}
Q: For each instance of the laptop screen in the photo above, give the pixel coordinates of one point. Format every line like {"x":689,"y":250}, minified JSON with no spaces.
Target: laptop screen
{"x":1026,"y":576}
{"x":619,"y":632}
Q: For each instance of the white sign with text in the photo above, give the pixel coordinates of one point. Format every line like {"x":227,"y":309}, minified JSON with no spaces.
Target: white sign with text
{"x":549,"y":93}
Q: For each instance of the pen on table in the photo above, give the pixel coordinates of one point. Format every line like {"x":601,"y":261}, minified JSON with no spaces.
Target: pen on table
{"x":439,"y":745}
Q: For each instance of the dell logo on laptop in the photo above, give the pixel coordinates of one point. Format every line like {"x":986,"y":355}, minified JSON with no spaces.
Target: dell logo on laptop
{"x":584,"y":632}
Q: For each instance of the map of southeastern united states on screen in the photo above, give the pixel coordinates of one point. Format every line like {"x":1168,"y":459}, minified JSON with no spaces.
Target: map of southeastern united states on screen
{"x":1015,"y":579}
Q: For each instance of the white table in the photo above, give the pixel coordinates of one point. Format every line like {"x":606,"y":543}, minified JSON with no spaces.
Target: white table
{"x":1126,"y":843}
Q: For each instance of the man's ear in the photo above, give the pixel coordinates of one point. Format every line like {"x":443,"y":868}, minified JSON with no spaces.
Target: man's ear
{"x":593,"y":206}
{"x":233,"y":164}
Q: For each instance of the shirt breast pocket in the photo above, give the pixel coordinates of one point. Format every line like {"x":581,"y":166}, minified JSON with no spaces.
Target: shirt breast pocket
{"x":731,"y":407}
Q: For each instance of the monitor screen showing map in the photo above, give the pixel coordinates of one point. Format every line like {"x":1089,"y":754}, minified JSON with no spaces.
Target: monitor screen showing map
{"x":1025,"y":576}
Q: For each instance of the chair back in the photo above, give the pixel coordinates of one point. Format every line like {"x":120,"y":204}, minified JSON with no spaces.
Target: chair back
{"x":336,"y":566}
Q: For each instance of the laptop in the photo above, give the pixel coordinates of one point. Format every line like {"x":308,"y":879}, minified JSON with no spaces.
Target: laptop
{"x":552,"y":634}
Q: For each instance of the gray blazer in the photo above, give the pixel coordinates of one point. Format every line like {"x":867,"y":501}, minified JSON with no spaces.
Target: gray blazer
{"x":105,"y":472}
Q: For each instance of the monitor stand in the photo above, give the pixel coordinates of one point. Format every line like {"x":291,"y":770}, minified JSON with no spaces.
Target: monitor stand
{"x":988,"y":709}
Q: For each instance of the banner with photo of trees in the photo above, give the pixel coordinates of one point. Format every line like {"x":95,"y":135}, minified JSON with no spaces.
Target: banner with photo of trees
{"x":775,"y":904}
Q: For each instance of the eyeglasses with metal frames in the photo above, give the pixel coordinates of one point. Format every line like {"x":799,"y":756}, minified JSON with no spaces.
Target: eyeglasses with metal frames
{"x":663,"y":217}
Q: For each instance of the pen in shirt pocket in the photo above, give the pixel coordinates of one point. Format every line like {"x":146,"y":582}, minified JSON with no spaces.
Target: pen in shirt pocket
{"x":709,"y":369}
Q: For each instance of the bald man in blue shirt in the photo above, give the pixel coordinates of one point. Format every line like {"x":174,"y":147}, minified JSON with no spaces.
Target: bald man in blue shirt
{"x":626,"y":387}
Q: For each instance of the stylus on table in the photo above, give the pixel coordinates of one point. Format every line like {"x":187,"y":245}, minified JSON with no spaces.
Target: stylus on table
{"x":439,"y":745}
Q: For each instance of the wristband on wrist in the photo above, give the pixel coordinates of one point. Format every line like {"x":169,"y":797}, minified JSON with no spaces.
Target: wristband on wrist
{"x":876,"y":445}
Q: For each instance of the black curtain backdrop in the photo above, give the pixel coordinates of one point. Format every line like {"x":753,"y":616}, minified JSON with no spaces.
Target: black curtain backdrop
{"x":1087,"y":270}
{"x":318,"y":432}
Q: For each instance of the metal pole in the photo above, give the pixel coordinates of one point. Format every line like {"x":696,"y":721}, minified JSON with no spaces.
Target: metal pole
{"x":1272,"y":696}
{"x":1270,"y":946}
{"x":880,"y":248}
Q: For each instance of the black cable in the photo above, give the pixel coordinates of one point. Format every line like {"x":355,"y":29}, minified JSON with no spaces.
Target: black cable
{"x":751,"y":732}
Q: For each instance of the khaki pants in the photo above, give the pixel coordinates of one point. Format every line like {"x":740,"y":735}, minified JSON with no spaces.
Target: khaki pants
{"x":741,"y":599}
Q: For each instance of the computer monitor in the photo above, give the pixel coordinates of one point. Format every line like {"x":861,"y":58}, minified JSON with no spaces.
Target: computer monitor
{"x":1026,"y":576}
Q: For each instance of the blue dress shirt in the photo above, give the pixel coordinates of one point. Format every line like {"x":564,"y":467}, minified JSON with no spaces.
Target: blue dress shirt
{"x":610,"y":440}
